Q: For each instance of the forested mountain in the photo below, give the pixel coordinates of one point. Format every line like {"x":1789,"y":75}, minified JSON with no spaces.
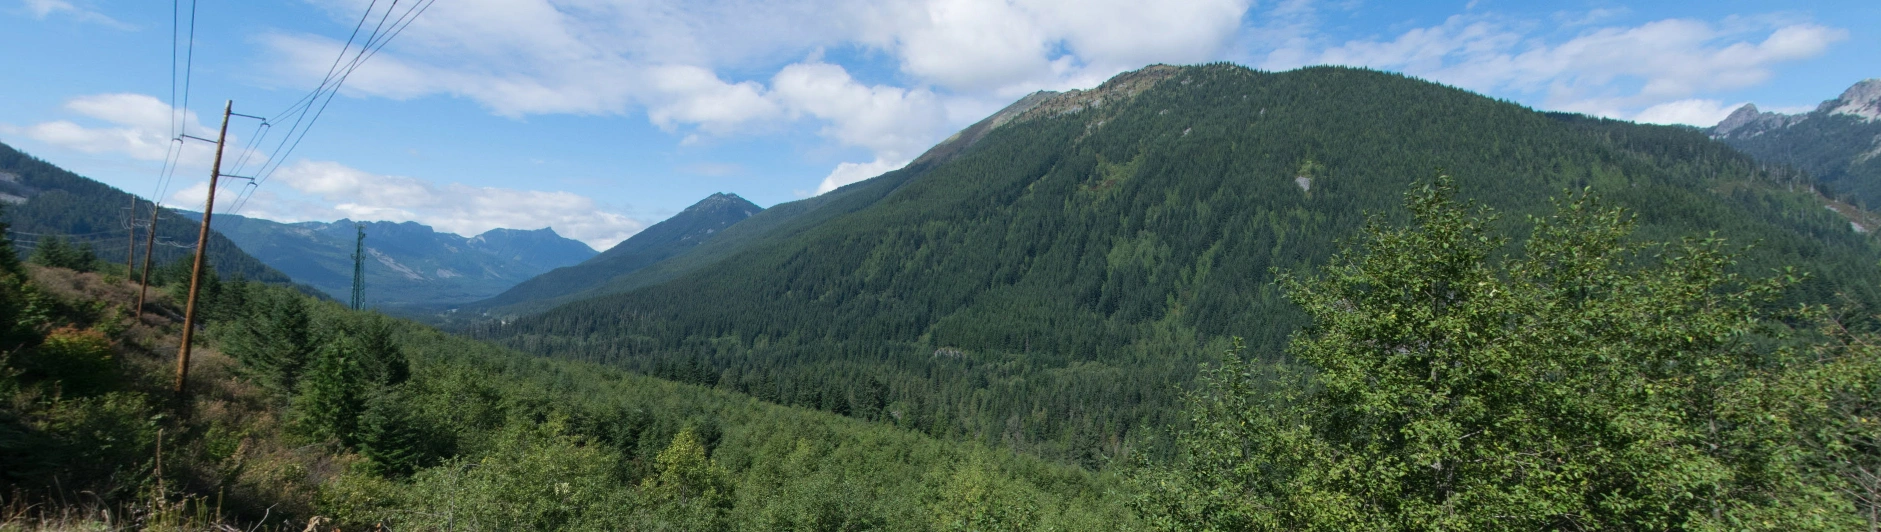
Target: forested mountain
{"x":39,"y":199}
{"x":1838,"y":143}
{"x":408,"y":264}
{"x":1049,"y":278}
{"x":697,"y":224}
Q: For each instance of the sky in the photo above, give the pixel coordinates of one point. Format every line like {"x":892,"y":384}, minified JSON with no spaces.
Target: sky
{"x":598,"y":118}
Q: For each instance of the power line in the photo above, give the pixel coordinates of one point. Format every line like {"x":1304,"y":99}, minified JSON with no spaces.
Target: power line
{"x":179,"y":110}
{"x":382,"y":34}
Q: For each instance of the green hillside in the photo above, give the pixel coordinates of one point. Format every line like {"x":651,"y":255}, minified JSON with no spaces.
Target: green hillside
{"x":61,"y":203}
{"x":700,"y":223}
{"x":1052,"y":285}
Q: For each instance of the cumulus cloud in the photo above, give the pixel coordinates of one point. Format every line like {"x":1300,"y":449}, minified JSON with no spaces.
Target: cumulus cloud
{"x":666,"y":58}
{"x":1693,"y":112}
{"x":136,"y":125}
{"x":340,"y":191}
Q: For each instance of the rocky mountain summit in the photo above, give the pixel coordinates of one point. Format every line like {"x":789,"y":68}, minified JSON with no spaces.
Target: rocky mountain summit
{"x":1838,"y":144}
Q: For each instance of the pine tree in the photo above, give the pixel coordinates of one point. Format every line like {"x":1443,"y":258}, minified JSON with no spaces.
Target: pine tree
{"x":389,"y":439}
{"x":54,"y":252}
{"x":383,"y":362}
{"x":274,"y":340}
{"x":332,"y":393}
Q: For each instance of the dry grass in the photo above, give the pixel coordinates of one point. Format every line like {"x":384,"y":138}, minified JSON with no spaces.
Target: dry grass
{"x":232,"y":458}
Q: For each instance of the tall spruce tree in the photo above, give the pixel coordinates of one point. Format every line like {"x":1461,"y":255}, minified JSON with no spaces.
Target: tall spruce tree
{"x":274,"y":339}
{"x":1588,"y":381}
{"x":333,"y":392}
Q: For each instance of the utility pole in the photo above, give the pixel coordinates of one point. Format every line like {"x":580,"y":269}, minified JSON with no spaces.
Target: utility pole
{"x":150,"y":246}
{"x":359,"y":267}
{"x":202,"y":249}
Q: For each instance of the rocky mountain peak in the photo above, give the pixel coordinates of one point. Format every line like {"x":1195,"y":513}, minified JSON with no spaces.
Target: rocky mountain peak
{"x":725,"y":202}
{"x":1863,"y":100}
{"x":1741,"y":117}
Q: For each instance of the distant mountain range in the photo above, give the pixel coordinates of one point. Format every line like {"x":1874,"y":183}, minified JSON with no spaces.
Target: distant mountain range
{"x":673,"y":236}
{"x":1838,"y":143}
{"x":408,"y":264}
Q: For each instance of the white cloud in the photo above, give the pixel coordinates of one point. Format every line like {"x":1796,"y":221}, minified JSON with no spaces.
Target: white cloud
{"x":973,"y":44}
{"x":1694,"y":112}
{"x":139,"y":127}
{"x":882,"y":118}
{"x":339,"y":191}
{"x":41,"y":9}
{"x":666,"y":57}
{"x":847,"y":173}
{"x":1609,"y":71}
{"x":694,"y":95}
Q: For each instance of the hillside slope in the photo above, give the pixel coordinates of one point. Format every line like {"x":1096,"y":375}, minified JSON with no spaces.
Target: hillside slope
{"x":296,"y":415}
{"x":1053,"y":284}
{"x":408,"y":264}
{"x":42,"y":199}
{"x":697,"y":224}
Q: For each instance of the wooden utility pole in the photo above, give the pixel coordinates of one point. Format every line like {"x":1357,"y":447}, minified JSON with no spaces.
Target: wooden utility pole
{"x":150,"y":246}
{"x":202,"y":249}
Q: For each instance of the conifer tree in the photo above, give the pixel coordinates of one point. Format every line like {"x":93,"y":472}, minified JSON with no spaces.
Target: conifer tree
{"x":388,"y":437}
{"x":333,"y":392}
{"x":274,"y":340}
{"x":54,"y":252}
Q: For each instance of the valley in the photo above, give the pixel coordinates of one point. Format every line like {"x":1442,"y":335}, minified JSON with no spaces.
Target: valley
{"x":1185,"y":297}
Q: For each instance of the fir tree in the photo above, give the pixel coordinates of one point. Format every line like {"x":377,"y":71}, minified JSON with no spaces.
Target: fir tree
{"x":274,"y":340}
{"x":389,"y":438}
{"x":54,"y":252}
{"x":333,"y":393}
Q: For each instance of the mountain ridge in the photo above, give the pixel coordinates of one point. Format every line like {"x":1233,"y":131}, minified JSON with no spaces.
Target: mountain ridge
{"x":689,"y":228}
{"x":412,"y":266}
{"x":38,"y":197}
{"x":1838,"y":143}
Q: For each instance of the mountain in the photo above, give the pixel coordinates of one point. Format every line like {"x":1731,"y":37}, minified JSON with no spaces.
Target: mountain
{"x":698,"y":223}
{"x":409,"y":263}
{"x":1838,"y":143}
{"x":37,"y":199}
{"x":1051,"y":277}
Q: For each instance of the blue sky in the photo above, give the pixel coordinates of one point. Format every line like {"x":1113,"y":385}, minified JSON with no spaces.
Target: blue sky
{"x":599,"y":117}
